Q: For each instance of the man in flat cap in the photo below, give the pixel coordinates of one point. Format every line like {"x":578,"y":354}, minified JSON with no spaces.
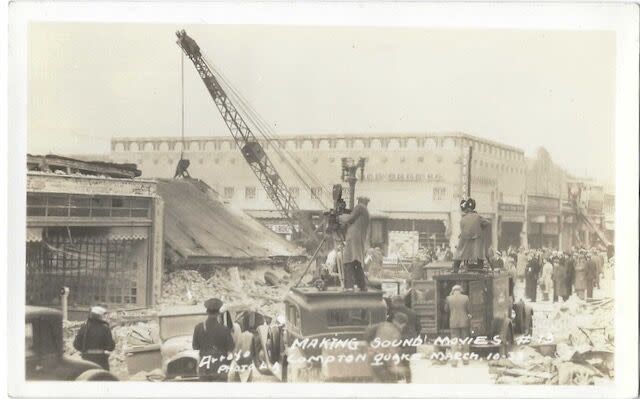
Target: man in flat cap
{"x":212,"y":339}
{"x":357,"y":223}
{"x":94,"y":338}
{"x":459,"y":309}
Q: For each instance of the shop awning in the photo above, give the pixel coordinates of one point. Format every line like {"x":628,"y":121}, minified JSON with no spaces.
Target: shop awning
{"x":128,"y":233}
{"x":418,"y":215}
{"x":34,"y":234}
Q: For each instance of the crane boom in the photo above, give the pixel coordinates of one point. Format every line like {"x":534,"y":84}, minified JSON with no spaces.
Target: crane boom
{"x":245,"y":140}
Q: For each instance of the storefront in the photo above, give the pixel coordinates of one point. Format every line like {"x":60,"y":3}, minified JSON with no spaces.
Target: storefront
{"x":510,"y":223}
{"x":101,"y":238}
{"x":543,"y":222}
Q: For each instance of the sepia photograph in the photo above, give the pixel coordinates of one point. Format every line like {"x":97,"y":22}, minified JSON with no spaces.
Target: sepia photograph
{"x":253,"y":201}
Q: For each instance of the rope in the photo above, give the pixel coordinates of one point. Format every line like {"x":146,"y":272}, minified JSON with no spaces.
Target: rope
{"x":182,"y":102}
{"x":263,"y":129}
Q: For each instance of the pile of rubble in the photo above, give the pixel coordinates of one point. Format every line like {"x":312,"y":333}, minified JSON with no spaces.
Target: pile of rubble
{"x":261,"y":288}
{"x":572,"y":344}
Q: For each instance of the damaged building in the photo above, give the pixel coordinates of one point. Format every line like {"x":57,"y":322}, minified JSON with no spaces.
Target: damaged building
{"x":201,"y":230}
{"x":107,"y":235}
{"x":95,"y":228}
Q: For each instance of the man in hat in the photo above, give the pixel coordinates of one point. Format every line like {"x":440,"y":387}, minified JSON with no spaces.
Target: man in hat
{"x":459,"y":309}
{"x":213,"y":340}
{"x":94,"y":338}
{"x":470,"y":245}
{"x":532,"y":272}
{"x":357,"y":223}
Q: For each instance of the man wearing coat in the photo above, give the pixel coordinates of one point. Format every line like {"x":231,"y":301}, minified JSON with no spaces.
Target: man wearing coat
{"x":580,"y":276}
{"x":357,"y":223}
{"x":532,"y":272}
{"x":459,"y":309}
{"x":94,"y":338}
{"x":560,"y":276}
{"x":213,"y":340}
{"x":470,"y":245}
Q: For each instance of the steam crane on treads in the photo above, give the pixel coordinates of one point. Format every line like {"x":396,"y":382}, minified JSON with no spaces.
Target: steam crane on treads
{"x":311,"y":313}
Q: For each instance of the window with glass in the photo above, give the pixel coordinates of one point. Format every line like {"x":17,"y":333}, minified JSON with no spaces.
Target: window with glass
{"x":347,"y":317}
{"x":72,"y":205}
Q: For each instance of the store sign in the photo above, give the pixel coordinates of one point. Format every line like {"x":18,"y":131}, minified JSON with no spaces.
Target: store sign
{"x":515,"y":208}
{"x":545,"y":203}
{"x":403,"y":177}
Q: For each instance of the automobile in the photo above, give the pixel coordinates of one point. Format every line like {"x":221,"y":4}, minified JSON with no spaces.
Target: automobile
{"x":179,"y":362}
{"x":44,"y":351}
{"x":313,"y":315}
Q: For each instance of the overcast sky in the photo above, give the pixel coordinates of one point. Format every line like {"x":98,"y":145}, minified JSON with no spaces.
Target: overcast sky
{"x":91,"y":82}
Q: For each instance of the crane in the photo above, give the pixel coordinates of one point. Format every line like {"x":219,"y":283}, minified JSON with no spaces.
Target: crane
{"x":247,"y":143}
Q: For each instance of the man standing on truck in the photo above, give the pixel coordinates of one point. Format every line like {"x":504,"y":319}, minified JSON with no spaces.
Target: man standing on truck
{"x":459,"y":309}
{"x":357,"y":223}
{"x":213,"y":340}
{"x":471,"y":245}
{"x":94,"y":338}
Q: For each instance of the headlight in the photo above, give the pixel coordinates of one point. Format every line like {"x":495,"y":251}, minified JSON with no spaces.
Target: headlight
{"x":182,"y":367}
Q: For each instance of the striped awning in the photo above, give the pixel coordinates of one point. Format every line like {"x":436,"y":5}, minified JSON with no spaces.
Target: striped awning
{"x":128,"y":233}
{"x":34,"y":234}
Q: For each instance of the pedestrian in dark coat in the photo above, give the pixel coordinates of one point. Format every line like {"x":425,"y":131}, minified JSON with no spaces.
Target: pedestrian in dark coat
{"x":353,"y":254}
{"x":532,"y":272}
{"x":213,"y":340}
{"x":592,"y":275}
{"x":94,"y":338}
{"x":470,"y":245}
{"x":560,"y":287}
{"x":581,"y":280}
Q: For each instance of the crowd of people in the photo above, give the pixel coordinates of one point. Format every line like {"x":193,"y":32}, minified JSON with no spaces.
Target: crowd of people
{"x":557,"y":274}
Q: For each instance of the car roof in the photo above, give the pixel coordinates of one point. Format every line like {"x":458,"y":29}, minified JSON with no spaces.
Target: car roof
{"x":33,"y":312}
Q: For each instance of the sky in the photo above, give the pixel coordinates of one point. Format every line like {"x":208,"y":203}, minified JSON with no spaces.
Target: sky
{"x":556,"y":89}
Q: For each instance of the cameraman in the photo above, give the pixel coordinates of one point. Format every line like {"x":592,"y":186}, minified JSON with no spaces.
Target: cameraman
{"x":357,"y":224}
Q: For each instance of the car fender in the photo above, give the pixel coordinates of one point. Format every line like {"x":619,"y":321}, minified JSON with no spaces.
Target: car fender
{"x":96,"y":375}
{"x":190,"y":354}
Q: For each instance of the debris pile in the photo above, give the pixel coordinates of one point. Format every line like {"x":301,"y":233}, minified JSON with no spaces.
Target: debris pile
{"x":580,"y":353}
{"x":261,"y":288}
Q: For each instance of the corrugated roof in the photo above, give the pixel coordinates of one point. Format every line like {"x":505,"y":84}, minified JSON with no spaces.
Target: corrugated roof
{"x":200,"y":228}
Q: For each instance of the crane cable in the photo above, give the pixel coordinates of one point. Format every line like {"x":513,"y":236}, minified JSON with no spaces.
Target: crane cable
{"x":182,"y":103}
{"x":261,"y":127}
{"x":264,"y":128}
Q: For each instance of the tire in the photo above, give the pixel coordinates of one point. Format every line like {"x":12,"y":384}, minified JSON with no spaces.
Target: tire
{"x":96,"y":375}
